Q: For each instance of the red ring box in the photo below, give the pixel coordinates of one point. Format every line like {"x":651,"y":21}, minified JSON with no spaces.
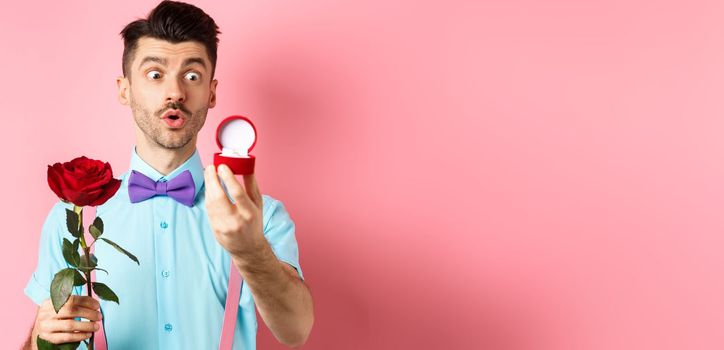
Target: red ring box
{"x":236,"y":137}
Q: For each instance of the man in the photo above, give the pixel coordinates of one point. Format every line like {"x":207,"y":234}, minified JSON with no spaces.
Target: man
{"x":175,"y":298}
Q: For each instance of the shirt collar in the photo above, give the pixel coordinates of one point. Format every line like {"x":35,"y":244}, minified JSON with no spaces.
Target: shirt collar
{"x":193,"y":164}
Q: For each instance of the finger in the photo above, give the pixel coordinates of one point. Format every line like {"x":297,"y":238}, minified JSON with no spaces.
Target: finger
{"x":236,"y":191}
{"x":73,"y":311}
{"x":84,"y":301}
{"x":214,"y":192}
{"x":252,"y":188}
{"x":60,"y":338}
{"x":67,"y":326}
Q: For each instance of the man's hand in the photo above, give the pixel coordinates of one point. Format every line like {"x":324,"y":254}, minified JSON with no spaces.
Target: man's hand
{"x":61,"y":327}
{"x":283,"y":300}
{"x":237,"y":226}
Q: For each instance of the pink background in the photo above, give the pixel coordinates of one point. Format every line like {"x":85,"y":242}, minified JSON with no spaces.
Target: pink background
{"x":468,"y":175}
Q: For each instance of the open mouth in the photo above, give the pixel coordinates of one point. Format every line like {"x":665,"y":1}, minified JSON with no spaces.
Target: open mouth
{"x":174,"y":119}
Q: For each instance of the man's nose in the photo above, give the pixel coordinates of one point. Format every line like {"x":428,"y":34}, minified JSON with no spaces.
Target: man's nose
{"x":175,"y":91}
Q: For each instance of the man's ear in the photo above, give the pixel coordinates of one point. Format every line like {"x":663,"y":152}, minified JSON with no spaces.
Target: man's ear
{"x":124,"y":87}
{"x":212,"y":95}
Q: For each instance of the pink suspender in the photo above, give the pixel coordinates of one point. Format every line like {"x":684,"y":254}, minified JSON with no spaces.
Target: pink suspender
{"x":100,"y":337}
{"x":231,"y":309}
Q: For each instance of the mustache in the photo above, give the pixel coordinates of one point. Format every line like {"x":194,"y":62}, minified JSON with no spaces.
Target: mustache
{"x":173,"y":105}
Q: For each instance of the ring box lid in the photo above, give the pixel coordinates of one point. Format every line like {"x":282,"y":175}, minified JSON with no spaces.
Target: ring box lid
{"x":236,"y":136}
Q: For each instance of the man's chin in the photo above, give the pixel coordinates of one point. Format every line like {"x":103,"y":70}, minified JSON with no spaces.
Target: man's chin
{"x":173,"y":144}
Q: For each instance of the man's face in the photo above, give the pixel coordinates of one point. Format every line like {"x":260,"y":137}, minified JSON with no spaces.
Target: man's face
{"x":169,"y":90}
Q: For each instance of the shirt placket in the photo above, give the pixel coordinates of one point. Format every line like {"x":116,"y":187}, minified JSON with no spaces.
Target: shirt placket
{"x":164,"y":229}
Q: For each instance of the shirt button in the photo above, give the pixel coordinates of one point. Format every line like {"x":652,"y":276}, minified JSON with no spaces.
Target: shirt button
{"x":165,"y":273}
{"x":168,"y":327}
{"x":164,"y":224}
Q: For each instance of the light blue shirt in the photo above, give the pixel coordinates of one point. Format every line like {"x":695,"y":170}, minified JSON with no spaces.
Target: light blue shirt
{"x":175,"y":299}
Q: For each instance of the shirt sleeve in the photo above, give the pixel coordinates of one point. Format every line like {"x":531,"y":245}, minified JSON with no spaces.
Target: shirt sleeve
{"x":279,"y":232}
{"x":50,"y":256}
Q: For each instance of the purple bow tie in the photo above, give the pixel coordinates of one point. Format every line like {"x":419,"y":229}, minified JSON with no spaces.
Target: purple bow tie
{"x":180,"y":188}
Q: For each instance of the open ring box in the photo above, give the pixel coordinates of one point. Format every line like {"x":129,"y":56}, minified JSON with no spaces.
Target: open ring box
{"x":236,"y":137}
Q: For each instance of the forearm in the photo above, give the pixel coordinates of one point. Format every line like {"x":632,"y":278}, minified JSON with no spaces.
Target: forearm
{"x":283,"y":300}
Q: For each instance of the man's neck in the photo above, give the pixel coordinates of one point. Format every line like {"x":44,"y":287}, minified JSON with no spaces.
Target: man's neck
{"x":162,"y":159}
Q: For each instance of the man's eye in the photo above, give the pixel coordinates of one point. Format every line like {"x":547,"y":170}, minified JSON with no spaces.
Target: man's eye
{"x":153,"y":75}
{"x":193,"y":76}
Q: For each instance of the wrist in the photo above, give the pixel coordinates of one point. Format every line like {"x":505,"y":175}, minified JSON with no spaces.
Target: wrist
{"x":255,"y":260}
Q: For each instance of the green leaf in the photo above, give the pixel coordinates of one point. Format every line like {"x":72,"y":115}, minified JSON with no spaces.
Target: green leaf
{"x":68,"y":346}
{"x":78,"y":279}
{"x":89,"y":269}
{"x":84,"y":266}
{"x":71,"y":256}
{"x":104,"y":292}
{"x":84,"y":261}
{"x":98,"y":222}
{"x":96,"y":228}
{"x":73,"y":223}
{"x":60,"y":288}
{"x":44,"y":344}
{"x":118,"y":248}
{"x":95,"y":232}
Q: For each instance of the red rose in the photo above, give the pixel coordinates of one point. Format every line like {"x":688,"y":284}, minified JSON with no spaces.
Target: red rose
{"x":83,"y":181}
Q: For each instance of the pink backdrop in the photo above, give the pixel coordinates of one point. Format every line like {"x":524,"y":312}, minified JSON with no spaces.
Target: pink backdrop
{"x":470,"y":175}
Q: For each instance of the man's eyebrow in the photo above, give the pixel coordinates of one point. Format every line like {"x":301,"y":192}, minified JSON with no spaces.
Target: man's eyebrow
{"x":158,"y":60}
{"x":192,"y":60}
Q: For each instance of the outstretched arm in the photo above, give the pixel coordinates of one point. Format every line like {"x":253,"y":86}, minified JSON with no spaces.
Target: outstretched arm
{"x":284,"y":301}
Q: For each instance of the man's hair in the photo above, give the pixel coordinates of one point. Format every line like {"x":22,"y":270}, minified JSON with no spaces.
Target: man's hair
{"x":175,"y":22}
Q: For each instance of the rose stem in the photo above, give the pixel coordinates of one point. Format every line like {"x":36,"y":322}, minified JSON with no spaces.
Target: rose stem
{"x":86,"y":249}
